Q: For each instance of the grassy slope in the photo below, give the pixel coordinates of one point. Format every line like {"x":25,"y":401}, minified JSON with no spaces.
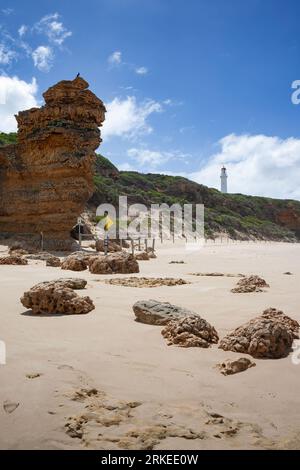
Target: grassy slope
{"x":239,"y":215}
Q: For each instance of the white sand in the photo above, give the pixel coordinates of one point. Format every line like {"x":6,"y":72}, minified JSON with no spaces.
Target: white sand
{"x":129,"y":361}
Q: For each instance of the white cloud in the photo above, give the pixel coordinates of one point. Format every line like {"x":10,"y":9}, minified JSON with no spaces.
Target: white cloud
{"x":141,"y":70}
{"x":22,"y":30}
{"x":6,"y":55}
{"x":7,"y":11}
{"x":128,"y":118}
{"x":53,"y":29}
{"x":125,"y":166}
{"x":13,"y":48}
{"x":257,"y":165}
{"x":43,"y":58}
{"x":115,"y":58}
{"x":15,"y":95}
{"x":154,"y":158}
{"x":170,"y":102}
{"x":148,"y":157}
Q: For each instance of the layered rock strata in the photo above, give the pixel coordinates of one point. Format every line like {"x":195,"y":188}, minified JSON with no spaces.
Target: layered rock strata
{"x":47,"y":177}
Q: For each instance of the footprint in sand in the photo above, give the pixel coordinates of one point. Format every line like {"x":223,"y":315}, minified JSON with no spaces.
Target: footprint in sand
{"x":65,"y":367}
{"x":10,"y":406}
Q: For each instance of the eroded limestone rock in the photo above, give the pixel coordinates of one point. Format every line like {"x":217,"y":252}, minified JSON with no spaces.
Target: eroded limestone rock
{"x":250,"y":284}
{"x":142,"y":256}
{"x":54,"y":297}
{"x":190,"y":331}
{"x":13,"y":259}
{"x":121,"y":263}
{"x":154,"y":312}
{"x":112,"y":246}
{"x":54,"y":262}
{"x":47,"y":177}
{"x":74,"y":263}
{"x":270,"y":335}
{"x":146,"y":281}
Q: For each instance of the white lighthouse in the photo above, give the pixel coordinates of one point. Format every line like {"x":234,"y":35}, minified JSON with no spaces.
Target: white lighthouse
{"x":223,"y":180}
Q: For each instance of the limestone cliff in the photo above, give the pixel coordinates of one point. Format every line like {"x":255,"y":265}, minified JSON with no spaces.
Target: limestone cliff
{"x":47,"y":177}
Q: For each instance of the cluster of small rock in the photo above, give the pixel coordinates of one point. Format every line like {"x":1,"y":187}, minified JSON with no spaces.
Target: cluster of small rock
{"x":153,"y":312}
{"x":146,"y":281}
{"x":121,"y":262}
{"x":182,"y":327}
{"x":268,"y":336}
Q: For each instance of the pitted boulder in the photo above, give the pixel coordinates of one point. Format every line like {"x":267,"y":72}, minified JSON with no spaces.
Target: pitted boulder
{"x":74,"y":263}
{"x":54,"y":262}
{"x":190,"y":332}
{"x":112,"y":246}
{"x":54,"y":297}
{"x":270,"y":335}
{"x":153,"y":312}
{"x":121,"y":263}
{"x":13,"y":259}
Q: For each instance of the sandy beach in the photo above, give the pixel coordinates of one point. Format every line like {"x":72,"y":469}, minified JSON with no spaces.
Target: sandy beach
{"x":117,"y":383}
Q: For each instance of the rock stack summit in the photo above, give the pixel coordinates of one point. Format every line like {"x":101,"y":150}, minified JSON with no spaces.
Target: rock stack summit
{"x":47,"y":177}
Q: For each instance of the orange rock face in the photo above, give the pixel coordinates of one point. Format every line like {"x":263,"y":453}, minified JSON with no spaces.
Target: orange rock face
{"x":47,"y":177}
{"x":289,"y":218}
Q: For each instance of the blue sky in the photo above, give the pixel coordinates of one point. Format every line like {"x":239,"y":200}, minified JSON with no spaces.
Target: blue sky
{"x":188,"y":85}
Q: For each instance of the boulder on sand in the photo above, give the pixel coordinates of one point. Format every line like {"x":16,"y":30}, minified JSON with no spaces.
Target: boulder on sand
{"x":251,"y":283}
{"x":121,"y":263}
{"x":113,"y":246}
{"x":270,"y":335}
{"x":54,"y":262}
{"x":189,"y":332}
{"x":74,"y":263}
{"x":54,"y":297}
{"x":13,"y":259}
{"x":153,"y":312}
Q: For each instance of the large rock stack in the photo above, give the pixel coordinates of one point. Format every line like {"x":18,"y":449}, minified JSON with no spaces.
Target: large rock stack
{"x":47,"y":177}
